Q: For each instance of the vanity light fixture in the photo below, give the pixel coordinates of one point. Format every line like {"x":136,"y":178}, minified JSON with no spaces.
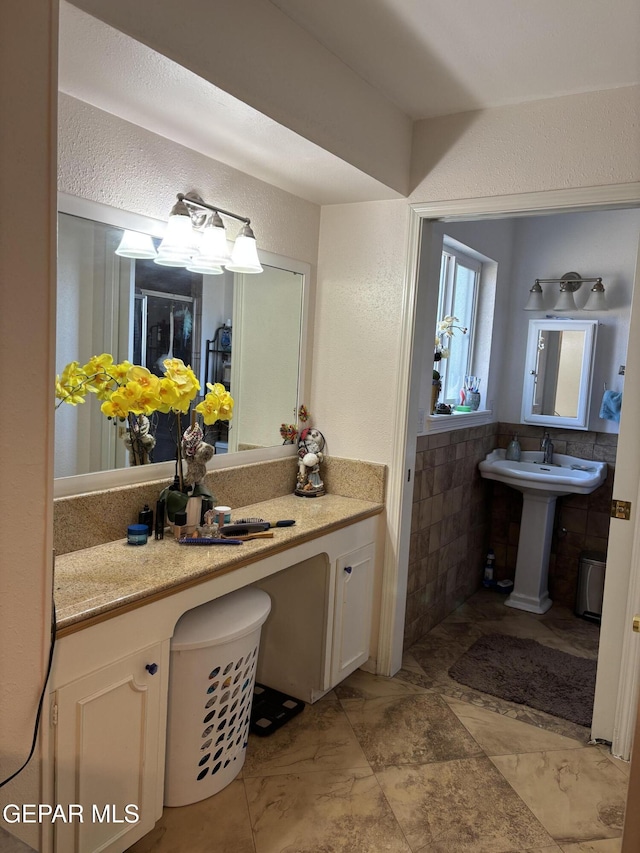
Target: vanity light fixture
{"x":196,"y":239}
{"x":569,"y":283}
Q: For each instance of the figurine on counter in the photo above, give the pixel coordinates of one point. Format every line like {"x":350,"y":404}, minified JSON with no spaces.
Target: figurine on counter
{"x":310,"y":446}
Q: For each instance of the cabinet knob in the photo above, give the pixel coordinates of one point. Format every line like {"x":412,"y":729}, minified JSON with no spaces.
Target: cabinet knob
{"x":636,"y":624}
{"x":348,"y":569}
{"x":151,"y":668}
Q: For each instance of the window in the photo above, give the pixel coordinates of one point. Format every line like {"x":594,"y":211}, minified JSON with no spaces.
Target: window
{"x":458,"y":296}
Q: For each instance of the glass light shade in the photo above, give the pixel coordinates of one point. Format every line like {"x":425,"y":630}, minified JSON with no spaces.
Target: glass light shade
{"x":204,"y":268}
{"x":596,"y":300}
{"x":213,"y":245}
{"x":565,"y":302}
{"x":179,"y":243}
{"x":536,"y":299}
{"x":244,"y":257}
{"x":136,"y":245}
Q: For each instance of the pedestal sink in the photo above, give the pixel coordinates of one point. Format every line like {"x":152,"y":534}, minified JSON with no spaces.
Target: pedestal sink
{"x":541,"y":484}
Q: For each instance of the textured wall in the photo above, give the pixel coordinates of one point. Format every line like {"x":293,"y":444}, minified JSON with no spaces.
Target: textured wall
{"x":574,"y":141}
{"x":361,"y":269}
{"x":595,"y":243}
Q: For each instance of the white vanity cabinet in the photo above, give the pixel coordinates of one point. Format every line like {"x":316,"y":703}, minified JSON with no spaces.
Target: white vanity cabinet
{"x":110,"y":678}
{"x":109,"y":752}
{"x":106,"y":738}
{"x":352,"y":616}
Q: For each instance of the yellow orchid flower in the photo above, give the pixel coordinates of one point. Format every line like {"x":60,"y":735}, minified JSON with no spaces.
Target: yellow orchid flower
{"x":116,"y":406}
{"x":120,"y":371}
{"x":71,"y":384}
{"x":167,"y":395}
{"x":217,"y":404}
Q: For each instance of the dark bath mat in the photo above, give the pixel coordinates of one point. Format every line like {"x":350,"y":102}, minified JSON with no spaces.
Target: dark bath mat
{"x":529,"y":673}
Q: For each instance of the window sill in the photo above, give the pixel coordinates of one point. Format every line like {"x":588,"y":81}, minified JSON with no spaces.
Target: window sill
{"x":457,"y":420}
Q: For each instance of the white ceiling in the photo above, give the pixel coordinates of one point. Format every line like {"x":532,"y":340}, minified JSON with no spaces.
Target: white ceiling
{"x":430,"y":57}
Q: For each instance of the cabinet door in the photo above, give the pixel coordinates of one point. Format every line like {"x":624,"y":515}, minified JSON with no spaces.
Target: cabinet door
{"x":352,"y":619}
{"x":109,"y":754}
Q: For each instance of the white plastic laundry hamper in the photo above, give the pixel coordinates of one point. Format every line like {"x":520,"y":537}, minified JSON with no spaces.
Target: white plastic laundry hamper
{"x":214,"y":653}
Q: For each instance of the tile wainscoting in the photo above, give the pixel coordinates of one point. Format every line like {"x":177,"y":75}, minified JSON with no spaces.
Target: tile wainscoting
{"x":457,"y":516}
{"x":449,"y":526}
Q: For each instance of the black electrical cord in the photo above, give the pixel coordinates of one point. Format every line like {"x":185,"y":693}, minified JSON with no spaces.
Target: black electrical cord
{"x":41,"y":702}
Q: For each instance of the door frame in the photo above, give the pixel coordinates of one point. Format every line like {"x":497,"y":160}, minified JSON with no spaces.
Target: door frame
{"x":403,"y":460}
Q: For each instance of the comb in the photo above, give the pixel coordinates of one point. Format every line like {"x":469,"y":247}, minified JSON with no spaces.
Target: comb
{"x":265,"y":525}
{"x":244,"y":533}
{"x":202,"y":541}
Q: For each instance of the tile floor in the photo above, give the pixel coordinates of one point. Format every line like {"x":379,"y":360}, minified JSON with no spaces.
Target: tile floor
{"x":419,"y":764}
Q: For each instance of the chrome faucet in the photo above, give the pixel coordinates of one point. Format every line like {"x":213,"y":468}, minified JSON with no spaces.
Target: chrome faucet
{"x":546,"y":446}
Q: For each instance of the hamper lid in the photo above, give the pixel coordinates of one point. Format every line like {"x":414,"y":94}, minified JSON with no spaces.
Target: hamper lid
{"x":227,"y":618}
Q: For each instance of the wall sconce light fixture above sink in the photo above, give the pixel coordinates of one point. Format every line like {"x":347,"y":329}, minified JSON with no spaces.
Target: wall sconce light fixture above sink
{"x":541,"y":483}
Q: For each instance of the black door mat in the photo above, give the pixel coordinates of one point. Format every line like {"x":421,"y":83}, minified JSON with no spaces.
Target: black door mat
{"x":271,"y":710}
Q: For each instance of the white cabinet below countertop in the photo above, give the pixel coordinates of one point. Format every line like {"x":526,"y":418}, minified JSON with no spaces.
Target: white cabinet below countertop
{"x":109,"y":752}
{"x":109,"y":683}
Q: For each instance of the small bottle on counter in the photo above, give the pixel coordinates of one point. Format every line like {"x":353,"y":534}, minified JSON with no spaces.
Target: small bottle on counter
{"x":160,"y":520}
{"x":145,"y":516}
{"x":513,"y":450}
{"x":180,"y":525}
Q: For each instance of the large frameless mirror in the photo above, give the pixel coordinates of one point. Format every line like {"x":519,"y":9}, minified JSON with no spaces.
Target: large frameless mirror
{"x":243,"y":331}
{"x":558,"y":372}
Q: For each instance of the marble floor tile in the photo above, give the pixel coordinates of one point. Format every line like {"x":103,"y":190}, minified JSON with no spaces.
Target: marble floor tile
{"x":190,"y":829}
{"x":419,"y":763}
{"x":498,"y":734}
{"x":321,"y":812}
{"x":408,"y":730}
{"x":579,"y":633}
{"x":462,"y":806}
{"x":527,"y":626}
{"x":577,"y":794}
{"x":319,"y":738}
{"x":608,"y":845}
{"x":446,"y":643}
{"x":435,"y":653}
{"x":364,"y":685}
{"x":624,"y":766}
{"x":443,"y":684}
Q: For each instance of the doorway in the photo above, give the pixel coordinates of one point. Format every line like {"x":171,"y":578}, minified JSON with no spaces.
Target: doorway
{"x":611,"y":673}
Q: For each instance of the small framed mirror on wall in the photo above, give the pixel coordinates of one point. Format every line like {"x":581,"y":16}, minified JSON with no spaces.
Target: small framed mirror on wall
{"x":558,"y":373}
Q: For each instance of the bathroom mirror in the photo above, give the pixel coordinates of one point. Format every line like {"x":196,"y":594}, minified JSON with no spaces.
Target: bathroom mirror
{"x":144,"y":312}
{"x":558,"y":372}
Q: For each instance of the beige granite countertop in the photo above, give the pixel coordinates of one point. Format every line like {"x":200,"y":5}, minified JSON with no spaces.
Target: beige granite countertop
{"x":104,"y":580}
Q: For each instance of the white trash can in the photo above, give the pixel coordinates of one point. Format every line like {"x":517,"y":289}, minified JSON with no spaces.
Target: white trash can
{"x":214,"y":653}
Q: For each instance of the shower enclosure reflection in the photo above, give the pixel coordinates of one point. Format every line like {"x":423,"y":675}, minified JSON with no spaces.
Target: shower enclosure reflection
{"x":143,"y":312}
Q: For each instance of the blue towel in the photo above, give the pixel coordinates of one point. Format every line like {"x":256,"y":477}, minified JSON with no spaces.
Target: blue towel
{"x":610,"y":406}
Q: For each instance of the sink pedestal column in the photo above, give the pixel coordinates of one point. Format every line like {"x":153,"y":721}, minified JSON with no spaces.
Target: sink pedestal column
{"x":530,"y":589}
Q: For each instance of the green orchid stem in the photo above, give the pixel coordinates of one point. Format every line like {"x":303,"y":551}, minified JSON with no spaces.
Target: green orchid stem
{"x":179,"y":451}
